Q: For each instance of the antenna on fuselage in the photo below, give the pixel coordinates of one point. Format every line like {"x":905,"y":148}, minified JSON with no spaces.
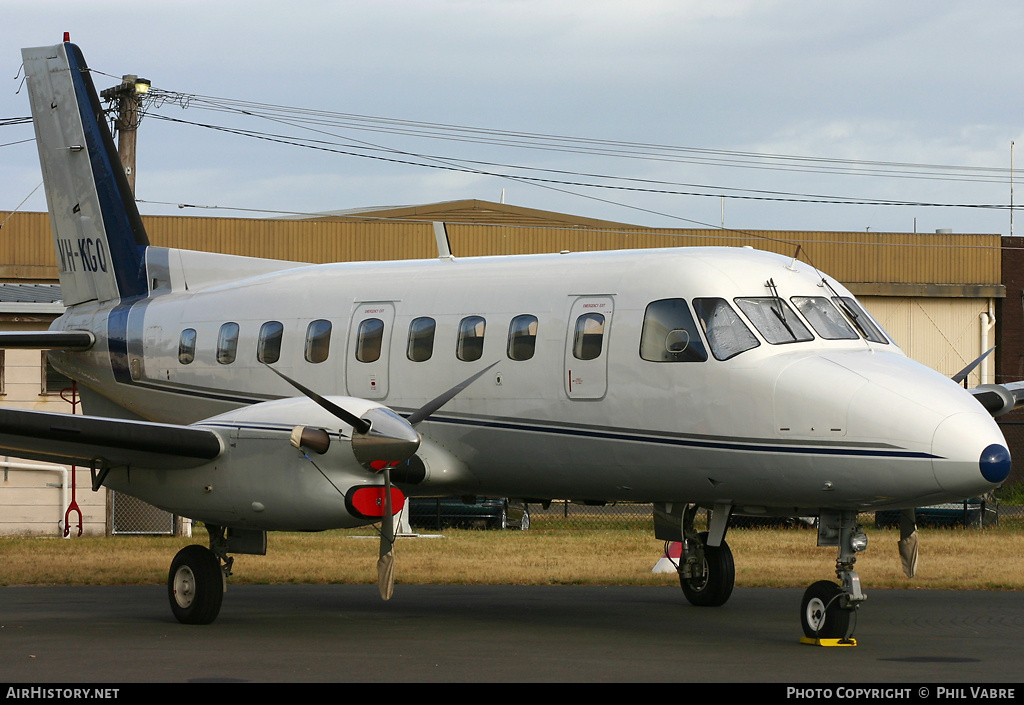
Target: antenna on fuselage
{"x":796,"y":256}
{"x":444,"y":248}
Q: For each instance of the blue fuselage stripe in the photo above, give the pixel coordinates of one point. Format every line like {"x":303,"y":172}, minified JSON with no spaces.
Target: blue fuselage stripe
{"x":752,"y":445}
{"x":672,"y":440}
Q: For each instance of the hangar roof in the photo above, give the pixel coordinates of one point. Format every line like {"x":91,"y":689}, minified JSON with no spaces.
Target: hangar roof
{"x":871,"y":263}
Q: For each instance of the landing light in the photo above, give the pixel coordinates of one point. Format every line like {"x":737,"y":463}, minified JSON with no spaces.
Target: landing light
{"x":858,"y":541}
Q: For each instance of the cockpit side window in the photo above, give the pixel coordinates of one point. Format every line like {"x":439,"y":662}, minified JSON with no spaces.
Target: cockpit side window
{"x":774,"y":319}
{"x":727,"y":335}
{"x":670,"y":334}
{"x":863,"y":322}
{"x":824,"y":318}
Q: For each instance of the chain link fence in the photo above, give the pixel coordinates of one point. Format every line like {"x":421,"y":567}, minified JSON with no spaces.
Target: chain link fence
{"x":133,"y":516}
{"x":566,"y":515}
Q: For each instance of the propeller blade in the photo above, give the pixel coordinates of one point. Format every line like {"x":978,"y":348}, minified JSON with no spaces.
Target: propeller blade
{"x":358,"y":424}
{"x":378,"y":444}
{"x":962,"y":374}
{"x":386,"y":561}
{"x":433,"y":405}
{"x":908,"y":541}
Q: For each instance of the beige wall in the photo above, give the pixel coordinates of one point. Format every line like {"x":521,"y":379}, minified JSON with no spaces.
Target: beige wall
{"x":31,"y":501}
{"x":943,"y":333}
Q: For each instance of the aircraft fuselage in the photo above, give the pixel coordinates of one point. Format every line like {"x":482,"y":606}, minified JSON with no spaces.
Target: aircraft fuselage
{"x":796,"y":426}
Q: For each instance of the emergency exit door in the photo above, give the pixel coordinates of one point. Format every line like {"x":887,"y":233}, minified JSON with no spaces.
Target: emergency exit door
{"x":369,"y":350}
{"x":586,"y":347}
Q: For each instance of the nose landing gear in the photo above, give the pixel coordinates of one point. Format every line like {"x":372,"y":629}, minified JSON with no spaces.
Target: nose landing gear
{"x":828,"y":610}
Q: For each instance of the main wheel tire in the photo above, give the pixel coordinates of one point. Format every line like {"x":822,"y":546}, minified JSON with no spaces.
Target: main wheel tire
{"x":195,"y":585}
{"x":821,"y":613}
{"x":714,"y":586}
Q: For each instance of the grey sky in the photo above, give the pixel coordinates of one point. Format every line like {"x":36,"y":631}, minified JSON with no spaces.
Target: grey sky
{"x":920,"y":82}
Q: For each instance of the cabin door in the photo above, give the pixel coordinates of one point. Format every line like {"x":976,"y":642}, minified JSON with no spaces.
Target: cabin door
{"x":369,"y":349}
{"x":586,"y":347}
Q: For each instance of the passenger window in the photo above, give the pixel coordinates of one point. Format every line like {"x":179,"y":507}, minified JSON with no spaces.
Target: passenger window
{"x":727,"y":335}
{"x":421,"y":339}
{"x":774,"y":319}
{"x":861,"y":320}
{"x":227,"y":343}
{"x":187,"y":346}
{"x":318,"y":341}
{"x":368,"y":342}
{"x":670,"y":334}
{"x":589,"y":336}
{"x":268,"y":349}
{"x":522,"y":337}
{"x":824,"y":318}
{"x":471,"y":339}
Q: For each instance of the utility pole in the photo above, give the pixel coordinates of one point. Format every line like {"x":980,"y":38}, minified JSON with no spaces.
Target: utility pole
{"x":129,"y":112}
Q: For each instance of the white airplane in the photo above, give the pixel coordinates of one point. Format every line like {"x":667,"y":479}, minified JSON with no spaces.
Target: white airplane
{"x":727,"y":379}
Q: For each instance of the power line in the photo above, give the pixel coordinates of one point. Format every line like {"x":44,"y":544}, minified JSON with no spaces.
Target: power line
{"x":761,"y":195}
{"x":590,"y":146}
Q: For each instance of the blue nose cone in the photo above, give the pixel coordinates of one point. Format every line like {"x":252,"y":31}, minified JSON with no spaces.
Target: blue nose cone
{"x":995,"y":463}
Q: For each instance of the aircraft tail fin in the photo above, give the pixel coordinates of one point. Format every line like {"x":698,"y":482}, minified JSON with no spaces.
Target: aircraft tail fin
{"x":97,"y":232}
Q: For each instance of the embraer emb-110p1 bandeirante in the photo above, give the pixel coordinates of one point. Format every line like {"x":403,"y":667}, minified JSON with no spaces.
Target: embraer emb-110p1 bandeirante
{"x":728,"y":379}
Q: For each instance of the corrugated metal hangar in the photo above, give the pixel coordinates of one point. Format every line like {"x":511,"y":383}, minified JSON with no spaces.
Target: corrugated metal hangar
{"x":939,"y":295}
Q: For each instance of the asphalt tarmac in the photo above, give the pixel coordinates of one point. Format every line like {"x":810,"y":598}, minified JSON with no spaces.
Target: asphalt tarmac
{"x":346,"y":633}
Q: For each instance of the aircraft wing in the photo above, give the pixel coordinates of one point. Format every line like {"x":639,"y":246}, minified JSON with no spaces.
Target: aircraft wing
{"x":999,"y":399}
{"x":79,"y":440}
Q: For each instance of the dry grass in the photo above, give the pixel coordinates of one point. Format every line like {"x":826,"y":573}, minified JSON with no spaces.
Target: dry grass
{"x":954,"y":559}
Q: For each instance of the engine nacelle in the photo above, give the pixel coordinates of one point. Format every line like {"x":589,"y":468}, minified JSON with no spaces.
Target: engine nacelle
{"x":264,"y":480}
{"x":996,"y":398}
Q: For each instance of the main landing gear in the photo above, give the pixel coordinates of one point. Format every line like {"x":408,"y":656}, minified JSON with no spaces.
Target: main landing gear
{"x":196,"y":585}
{"x":706,"y":569}
{"x":706,"y":573}
{"x":828,"y":610}
{"x":198,"y":577}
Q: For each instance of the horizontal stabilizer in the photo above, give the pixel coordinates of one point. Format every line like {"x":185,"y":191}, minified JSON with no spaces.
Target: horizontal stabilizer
{"x":79,"y":440}
{"x":48,"y":340}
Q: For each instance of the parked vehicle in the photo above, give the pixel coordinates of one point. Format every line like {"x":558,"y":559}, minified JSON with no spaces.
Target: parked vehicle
{"x":742,"y":521}
{"x":975,"y":512}
{"x":491,"y":512}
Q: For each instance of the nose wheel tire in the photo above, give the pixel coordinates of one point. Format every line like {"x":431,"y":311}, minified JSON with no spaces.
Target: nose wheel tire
{"x":195,"y":585}
{"x":821,"y":613}
{"x":713,"y":586}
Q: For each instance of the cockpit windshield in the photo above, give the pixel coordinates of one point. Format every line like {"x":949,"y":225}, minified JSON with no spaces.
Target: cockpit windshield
{"x":727,"y":335}
{"x":774,"y":319}
{"x":824,"y":318}
{"x":865,"y":325}
{"x":668,"y":335}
